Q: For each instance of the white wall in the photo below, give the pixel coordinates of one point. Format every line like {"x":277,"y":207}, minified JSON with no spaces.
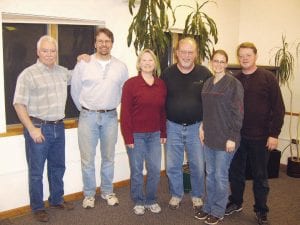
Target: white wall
{"x":237,"y":20}
{"x":263,"y":22}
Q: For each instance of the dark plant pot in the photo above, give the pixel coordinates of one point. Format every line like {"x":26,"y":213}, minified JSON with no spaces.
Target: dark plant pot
{"x":293,"y":167}
{"x":186,"y":179}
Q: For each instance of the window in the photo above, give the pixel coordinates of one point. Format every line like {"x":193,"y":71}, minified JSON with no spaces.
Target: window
{"x":20,"y":34}
{"x":19,"y":42}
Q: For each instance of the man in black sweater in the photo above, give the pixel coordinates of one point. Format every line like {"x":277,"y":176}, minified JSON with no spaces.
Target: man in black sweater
{"x":184,"y":81}
{"x":263,"y":118}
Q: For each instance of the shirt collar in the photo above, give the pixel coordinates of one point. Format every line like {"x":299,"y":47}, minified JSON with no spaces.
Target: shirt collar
{"x":144,"y":82}
{"x":43,"y":67}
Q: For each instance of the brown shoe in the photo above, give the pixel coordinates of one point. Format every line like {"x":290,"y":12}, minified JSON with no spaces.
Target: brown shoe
{"x":41,"y":216}
{"x":64,"y":205}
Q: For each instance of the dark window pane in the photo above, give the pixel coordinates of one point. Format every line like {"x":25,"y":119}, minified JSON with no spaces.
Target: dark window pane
{"x":74,"y":40}
{"x":19,"y":52}
{"x":166,"y":59}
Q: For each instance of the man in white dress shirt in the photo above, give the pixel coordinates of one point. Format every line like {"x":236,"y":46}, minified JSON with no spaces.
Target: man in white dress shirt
{"x":96,"y":90}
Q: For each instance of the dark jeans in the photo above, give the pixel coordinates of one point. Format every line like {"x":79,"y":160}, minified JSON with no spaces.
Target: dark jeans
{"x":52,"y":150}
{"x":258,"y":156}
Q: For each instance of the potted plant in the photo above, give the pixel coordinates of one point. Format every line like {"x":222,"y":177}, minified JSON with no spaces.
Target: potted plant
{"x":284,"y":60}
{"x":149,"y":25}
{"x":151,"y":22}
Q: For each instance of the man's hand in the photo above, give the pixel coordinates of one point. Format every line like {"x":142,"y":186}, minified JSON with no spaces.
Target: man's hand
{"x":272,"y":143}
{"x":36,"y":135}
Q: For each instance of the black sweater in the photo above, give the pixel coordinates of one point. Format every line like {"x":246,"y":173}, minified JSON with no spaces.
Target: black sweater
{"x":263,"y":105}
{"x":184,"y":103}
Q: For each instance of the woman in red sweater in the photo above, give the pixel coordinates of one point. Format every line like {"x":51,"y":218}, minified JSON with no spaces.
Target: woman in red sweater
{"x":143,"y":125}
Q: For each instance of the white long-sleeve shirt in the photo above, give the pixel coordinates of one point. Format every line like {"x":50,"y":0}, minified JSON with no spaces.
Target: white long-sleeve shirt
{"x":98,"y":88}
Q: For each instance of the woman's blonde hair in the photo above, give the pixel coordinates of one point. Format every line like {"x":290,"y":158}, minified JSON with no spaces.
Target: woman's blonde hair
{"x":156,"y":71}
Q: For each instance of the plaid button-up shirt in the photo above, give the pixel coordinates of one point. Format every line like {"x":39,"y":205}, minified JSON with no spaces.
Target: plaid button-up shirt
{"x":43,"y":91}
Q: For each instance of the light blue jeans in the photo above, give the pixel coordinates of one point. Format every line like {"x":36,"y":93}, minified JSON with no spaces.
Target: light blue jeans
{"x":217,"y":180}
{"x":147,"y":148}
{"x":179,"y":139}
{"x":93,"y":126}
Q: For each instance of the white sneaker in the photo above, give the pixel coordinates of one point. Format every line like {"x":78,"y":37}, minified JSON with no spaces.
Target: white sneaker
{"x":88,"y":202}
{"x":139,"y":210}
{"x":111,"y":199}
{"x":174,"y":202}
{"x":155,"y":208}
{"x":197,"y":202}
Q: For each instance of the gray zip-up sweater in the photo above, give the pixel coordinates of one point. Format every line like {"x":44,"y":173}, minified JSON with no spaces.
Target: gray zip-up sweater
{"x":223,"y":111}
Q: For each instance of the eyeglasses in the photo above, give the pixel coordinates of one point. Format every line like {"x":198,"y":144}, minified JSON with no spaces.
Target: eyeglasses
{"x":219,"y":62}
{"x":101,"y":42}
{"x":186,"y":52}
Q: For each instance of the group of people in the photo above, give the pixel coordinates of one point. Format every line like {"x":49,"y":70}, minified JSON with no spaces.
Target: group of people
{"x":218,"y":120}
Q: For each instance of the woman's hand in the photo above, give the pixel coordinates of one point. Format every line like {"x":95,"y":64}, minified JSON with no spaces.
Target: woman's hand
{"x":230,"y":146}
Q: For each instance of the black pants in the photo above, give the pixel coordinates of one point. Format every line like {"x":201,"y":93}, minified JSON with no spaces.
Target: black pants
{"x":258,"y":156}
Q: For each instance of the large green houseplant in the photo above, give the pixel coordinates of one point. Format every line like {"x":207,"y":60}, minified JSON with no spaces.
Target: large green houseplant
{"x":284,"y":61}
{"x":149,"y":25}
{"x":151,"y":22}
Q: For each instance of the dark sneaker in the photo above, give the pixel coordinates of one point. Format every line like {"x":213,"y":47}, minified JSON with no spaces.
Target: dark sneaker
{"x":201,"y":215}
{"x":213,"y":220}
{"x":232,"y":207}
{"x":262,"y":218}
{"x":41,"y":216}
{"x":64,"y":205}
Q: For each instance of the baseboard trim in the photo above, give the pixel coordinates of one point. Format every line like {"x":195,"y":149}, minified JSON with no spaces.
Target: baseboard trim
{"x":71,"y":197}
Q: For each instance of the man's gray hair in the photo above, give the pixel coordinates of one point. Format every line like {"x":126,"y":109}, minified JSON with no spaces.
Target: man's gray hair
{"x":46,"y":38}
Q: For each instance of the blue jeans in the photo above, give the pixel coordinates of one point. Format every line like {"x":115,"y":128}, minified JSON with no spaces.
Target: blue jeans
{"x":217,"y":181}
{"x":258,"y":156}
{"x":147,"y":148}
{"x":179,"y":139}
{"x":52,"y":150}
{"x":93,"y":126}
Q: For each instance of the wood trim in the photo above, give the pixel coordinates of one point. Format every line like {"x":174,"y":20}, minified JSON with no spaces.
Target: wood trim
{"x":71,"y":197}
{"x":292,"y":114}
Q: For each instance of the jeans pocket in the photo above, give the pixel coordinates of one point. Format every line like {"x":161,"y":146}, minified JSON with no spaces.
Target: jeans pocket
{"x":83,"y":114}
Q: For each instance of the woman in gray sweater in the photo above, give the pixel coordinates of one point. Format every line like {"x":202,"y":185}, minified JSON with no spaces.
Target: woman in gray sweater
{"x":222,"y":98}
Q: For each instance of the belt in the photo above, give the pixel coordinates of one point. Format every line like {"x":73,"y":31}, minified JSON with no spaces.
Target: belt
{"x":40,"y":121}
{"x":187,"y":124}
{"x":98,"y":110}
